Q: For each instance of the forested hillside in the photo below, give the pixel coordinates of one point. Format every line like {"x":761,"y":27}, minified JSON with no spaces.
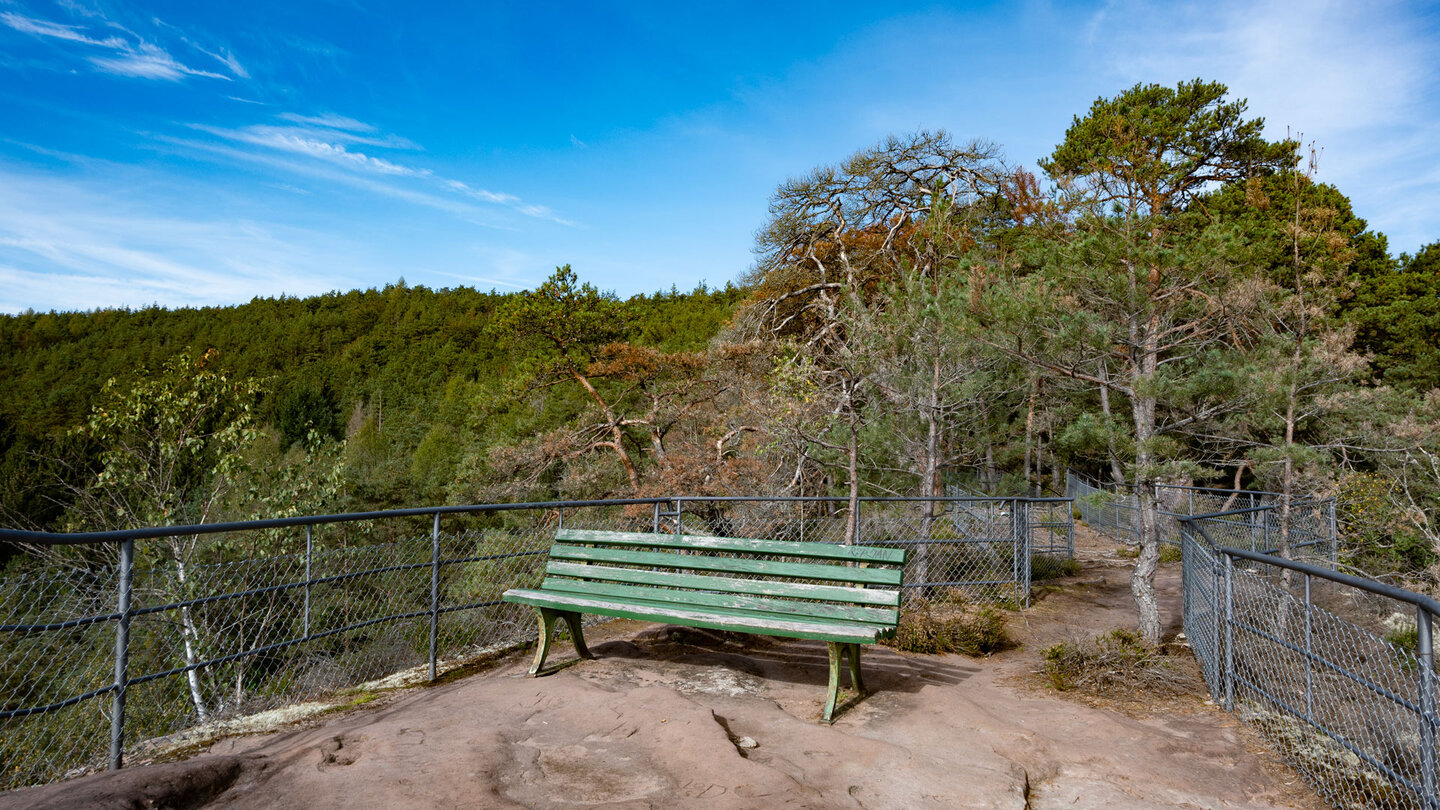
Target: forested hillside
{"x":389,"y":366}
{"x":1178,"y":299}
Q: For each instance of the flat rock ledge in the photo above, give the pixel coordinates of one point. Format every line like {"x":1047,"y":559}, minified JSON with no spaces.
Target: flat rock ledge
{"x":670,"y":717}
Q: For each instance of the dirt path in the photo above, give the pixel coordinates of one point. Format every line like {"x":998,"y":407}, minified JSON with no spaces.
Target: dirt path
{"x":670,"y":717}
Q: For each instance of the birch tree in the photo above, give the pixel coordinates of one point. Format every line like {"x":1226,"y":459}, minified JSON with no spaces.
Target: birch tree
{"x":173,"y":452}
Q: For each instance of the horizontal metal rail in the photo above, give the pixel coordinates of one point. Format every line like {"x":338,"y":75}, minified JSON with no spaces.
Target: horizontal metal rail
{"x":409,"y":556}
{"x":1390,"y":591}
{"x":1225,"y":661}
{"x":153,"y":532}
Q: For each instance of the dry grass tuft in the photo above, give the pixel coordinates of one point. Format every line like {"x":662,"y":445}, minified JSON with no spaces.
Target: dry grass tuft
{"x":933,"y":627}
{"x":1115,"y":664}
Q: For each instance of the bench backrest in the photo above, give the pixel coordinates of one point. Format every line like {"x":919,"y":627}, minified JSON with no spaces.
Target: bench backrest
{"x":795,"y":579}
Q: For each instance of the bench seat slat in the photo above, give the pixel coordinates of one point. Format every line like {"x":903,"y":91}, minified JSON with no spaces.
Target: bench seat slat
{"x":737,"y":565}
{"x":779,"y":607}
{"x":710,"y":618}
{"x":778,"y":548}
{"x":757,"y":587}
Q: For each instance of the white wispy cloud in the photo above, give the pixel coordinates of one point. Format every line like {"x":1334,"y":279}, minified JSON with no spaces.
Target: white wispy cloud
{"x":64,"y":246}
{"x":146,"y":61}
{"x":481,"y":282}
{"x":330,"y":172}
{"x":334,"y":128}
{"x":329,"y":138}
{"x":300,"y":143}
{"x":225,"y":58}
{"x":1358,"y":79}
{"x":329,"y":121}
{"x":68,"y":33}
{"x":1311,"y":66}
{"x":130,"y":55}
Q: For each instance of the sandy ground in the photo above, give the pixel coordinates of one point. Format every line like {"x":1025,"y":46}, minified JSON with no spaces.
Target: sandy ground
{"x":672,"y":717}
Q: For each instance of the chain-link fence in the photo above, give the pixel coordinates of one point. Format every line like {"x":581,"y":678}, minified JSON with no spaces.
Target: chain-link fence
{"x":1336,"y":671}
{"x":112,"y":644}
{"x":304,"y":611}
{"x":1255,"y":520}
{"x":988,"y":548}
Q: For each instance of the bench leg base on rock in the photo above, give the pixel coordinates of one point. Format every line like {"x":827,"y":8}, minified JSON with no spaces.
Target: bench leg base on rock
{"x":838,"y":651}
{"x":547,"y":617}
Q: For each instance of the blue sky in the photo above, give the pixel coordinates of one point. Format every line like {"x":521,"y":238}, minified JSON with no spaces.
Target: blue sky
{"x":192,"y":154}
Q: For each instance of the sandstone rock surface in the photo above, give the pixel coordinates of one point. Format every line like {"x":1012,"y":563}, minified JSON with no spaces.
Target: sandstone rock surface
{"x":670,"y":717}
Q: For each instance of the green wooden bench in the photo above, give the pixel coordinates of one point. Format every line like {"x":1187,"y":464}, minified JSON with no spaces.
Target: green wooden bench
{"x":843,"y":595}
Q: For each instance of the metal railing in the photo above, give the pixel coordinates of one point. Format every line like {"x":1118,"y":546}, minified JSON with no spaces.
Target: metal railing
{"x":198,"y":626}
{"x":1336,"y":671}
{"x":1255,"y":517}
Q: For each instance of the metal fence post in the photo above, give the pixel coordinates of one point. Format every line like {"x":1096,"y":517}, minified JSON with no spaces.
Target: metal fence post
{"x":434,"y":591}
{"x":1334,"y":528}
{"x":1017,"y":545}
{"x":1426,"y":652}
{"x":1228,"y":616}
{"x":679,"y":515}
{"x":1309,"y":651}
{"x":1070,"y":528}
{"x":122,"y":656}
{"x":1026,"y":552}
{"x":655,"y":519}
{"x":309,"y":579}
{"x":1216,"y":617}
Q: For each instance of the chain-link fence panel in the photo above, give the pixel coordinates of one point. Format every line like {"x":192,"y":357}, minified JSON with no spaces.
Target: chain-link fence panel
{"x":1112,"y":514}
{"x":1201,"y":605}
{"x":985,"y":548}
{"x":1257,"y":520}
{"x":57,"y":644}
{"x":1326,"y":667}
{"x":1262,"y":529}
{"x":307,"y":611}
{"x":223,"y":626}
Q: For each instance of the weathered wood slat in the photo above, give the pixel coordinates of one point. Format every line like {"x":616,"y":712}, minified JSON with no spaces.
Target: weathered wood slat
{"x":750,"y":614}
{"x":736,"y":565}
{"x":779,"y":607}
{"x":778,"y":548}
{"x":722,"y":583}
{"x":757,"y":587}
{"x":695,"y":617}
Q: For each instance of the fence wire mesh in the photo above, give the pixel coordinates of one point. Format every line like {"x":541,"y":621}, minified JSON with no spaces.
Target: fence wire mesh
{"x":224,"y":626}
{"x":986,"y":548}
{"x":1254,"y":520}
{"x":1338,"y":677}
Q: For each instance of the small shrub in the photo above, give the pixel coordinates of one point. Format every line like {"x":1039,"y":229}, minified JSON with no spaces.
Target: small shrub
{"x":1117,"y":661}
{"x":1402,"y":631}
{"x":1048,"y":566}
{"x":1063,"y":663}
{"x":1168,"y":553}
{"x":931,"y":629}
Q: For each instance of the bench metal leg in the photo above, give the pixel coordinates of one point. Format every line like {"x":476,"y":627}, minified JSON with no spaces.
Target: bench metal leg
{"x":839,"y":651}
{"x":577,"y":634}
{"x":856,"y":682}
{"x":547,"y":617}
